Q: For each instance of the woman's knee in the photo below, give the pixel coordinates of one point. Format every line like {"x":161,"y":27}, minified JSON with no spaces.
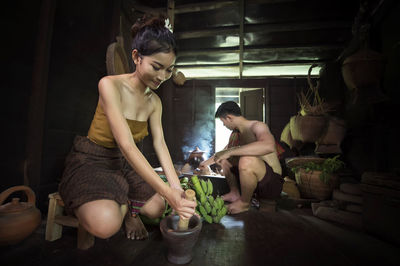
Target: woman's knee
{"x":102,"y":218}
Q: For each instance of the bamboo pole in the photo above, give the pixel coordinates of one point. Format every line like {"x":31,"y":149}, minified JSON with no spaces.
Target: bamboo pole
{"x":184,"y":223}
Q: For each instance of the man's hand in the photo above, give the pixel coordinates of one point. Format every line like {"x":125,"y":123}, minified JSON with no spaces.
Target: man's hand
{"x":221,"y":155}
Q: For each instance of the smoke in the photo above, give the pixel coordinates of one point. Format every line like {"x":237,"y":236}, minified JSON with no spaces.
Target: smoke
{"x":200,"y":135}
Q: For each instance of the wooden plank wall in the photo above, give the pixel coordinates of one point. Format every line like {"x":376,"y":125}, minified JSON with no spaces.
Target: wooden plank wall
{"x":188,"y":112}
{"x":77,"y":63}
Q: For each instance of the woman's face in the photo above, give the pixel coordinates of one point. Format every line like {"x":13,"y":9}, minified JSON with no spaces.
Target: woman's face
{"x":154,"y":69}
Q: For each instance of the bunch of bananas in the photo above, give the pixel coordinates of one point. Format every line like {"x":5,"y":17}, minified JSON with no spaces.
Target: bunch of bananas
{"x":210,"y":208}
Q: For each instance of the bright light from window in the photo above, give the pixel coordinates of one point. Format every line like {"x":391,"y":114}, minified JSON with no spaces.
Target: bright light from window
{"x":248,"y":71}
{"x":221,"y":133}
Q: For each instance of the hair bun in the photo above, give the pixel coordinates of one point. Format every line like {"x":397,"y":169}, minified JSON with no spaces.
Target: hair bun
{"x":148,"y":21}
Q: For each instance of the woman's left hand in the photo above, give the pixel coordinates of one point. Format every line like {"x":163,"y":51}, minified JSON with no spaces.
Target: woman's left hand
{"x":185,"y":208}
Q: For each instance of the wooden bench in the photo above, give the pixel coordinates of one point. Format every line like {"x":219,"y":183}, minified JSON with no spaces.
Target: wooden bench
{"x":56,"y":220}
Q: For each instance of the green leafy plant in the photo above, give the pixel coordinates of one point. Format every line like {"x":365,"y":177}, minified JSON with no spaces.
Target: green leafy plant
{"x":327,"y":167}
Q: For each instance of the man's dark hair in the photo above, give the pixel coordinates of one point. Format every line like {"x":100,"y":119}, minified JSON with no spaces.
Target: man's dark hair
{"x":228,"y":108}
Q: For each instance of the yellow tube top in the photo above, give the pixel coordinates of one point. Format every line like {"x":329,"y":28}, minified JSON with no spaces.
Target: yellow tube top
{"x":100,"y":132}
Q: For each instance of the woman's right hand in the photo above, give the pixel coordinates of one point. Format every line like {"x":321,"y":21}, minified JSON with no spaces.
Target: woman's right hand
{"x":185,"y":208}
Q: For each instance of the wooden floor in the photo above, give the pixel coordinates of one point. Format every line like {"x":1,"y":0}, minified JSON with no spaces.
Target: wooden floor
{"x":286,"y":237}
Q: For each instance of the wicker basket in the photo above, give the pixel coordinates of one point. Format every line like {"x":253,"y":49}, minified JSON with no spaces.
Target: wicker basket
{"x":297,"y":161}
{"x":311,"y":186}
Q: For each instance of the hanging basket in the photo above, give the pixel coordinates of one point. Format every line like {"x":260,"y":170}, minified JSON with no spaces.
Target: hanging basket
{"x":307,"y":128}
{"x":311,"y":186}
{"x":363,"y":69}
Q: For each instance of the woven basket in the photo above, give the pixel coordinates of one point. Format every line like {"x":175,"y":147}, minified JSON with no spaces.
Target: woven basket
{"x":311,"y":186}
{"x":297,"y":161}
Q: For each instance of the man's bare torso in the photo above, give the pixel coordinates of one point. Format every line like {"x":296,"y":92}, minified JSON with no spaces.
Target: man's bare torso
{"x":248,"y":136}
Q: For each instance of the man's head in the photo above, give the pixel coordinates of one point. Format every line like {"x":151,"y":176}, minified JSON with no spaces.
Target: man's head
{"x":227,"y":111}
{"x":228,"y":108}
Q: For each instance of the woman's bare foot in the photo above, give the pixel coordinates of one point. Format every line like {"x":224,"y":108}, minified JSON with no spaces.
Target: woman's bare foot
{"x":231,"y":196}
{"x":134,"y":227}
{"x":238,"y":206}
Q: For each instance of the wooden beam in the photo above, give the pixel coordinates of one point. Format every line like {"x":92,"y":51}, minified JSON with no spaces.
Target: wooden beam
{"x":267,"y":28}
{"x":149,"y":10}
{"x":273,"y":63}
{"x":269,"y":1}
{"x":209,"y":51}
{"x":171,"y":13}
{"x":188,"y":8}
{"x":220,"y":51}
{"x":241,"y":36}
{"x":231,"y":30}
{"x":298,"y":26}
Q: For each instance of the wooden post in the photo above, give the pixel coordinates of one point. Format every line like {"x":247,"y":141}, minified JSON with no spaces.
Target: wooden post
{"x":184,"y":223}
{"x":37,"y":101}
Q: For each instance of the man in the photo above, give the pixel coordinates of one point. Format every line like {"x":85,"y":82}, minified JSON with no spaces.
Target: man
{"x":249,"y":162}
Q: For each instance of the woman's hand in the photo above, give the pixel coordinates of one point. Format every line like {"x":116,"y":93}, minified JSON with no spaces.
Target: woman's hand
{"x":185,"y":208}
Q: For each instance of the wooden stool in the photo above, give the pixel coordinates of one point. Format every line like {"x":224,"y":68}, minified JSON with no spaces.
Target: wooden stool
{"x":56,"y":220}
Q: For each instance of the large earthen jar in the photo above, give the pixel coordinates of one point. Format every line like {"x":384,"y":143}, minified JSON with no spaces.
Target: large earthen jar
{"x":17,"y":219}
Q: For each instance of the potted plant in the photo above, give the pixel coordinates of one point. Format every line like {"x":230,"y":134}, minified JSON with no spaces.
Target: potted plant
{"x":309,"y":124}
{"x":317,"y":179}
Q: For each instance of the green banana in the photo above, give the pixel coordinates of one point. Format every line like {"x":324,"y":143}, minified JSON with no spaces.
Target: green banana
{"x":220,"y":202}
{"x":215,"y":204}
{"x":211,"y":200}
{"x":204,"y":186}
{"x":209,"y":187}
{"x":214,"y":211}
{"x":197,"y":186}
{"x":207,"y":206}
{"x":203,"y":211}
{"x":203,"y":199}
{"x":216,"y":219}
{"x":208,"y":218}
{"x":221,"y":213}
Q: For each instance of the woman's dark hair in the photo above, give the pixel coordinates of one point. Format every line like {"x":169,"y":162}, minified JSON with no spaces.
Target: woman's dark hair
{"x":150,"y":36}
{"x":228,"y":108}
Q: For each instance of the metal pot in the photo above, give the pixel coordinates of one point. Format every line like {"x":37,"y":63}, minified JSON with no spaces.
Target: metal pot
{"x":17,"y":219}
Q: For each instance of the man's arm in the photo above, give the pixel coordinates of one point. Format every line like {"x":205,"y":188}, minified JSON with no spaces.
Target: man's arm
{"x":264,"y":144}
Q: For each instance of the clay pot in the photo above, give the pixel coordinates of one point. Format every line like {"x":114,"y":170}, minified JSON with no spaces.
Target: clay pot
{"x":311,"y":186}
{"x":196,"y":157}
{"x":17,"y":219}
{"x":180,"y":243}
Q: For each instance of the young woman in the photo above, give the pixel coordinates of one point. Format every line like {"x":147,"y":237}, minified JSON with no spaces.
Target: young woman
{"x":107,"y":180}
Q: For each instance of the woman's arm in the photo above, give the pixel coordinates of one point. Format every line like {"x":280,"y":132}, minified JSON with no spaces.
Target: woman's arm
{"x":159,"y":144}
{"x":111,"y":104}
